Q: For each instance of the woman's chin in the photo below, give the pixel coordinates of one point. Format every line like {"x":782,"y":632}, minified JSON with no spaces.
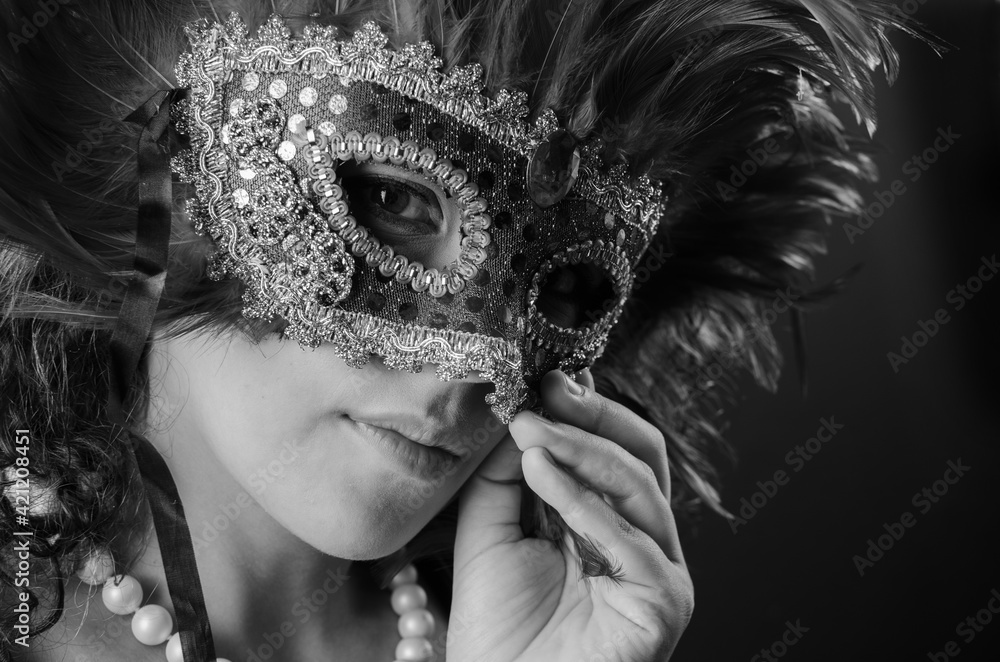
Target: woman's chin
{"x":373,"y":533}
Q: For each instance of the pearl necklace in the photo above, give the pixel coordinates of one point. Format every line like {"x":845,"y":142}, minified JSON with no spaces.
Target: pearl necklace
{"x":152,"y":625}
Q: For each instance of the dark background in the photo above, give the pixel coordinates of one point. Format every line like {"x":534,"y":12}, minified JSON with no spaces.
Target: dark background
{"x":793,"y":560}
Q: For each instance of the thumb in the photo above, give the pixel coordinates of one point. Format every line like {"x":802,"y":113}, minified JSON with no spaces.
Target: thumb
{"x":489,"y":506}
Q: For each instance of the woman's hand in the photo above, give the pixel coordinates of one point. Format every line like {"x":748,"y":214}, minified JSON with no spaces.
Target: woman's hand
{"x":518,"y":599}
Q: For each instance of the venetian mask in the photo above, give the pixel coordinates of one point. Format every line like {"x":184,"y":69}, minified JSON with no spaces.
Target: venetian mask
{"x":387,"y":208}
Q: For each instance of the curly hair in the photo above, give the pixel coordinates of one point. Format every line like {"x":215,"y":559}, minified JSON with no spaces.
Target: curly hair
{"x":730,"y":102}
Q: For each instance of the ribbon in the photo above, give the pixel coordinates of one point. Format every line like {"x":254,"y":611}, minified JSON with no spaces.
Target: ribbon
{"x":128,"y":339}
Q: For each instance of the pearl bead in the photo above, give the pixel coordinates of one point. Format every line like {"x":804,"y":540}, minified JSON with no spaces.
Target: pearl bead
{"x":414,"y":649}
{"x":407,"y":575}
{"x":408,"y":597}
{"x":97,"y":568}
{"x":416,"y":623}
{"x":174,"y":651}
{"x":122,"y":594}
{"x":152,"y":625}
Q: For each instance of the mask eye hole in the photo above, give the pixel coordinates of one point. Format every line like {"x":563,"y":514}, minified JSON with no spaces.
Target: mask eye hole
{"x":404,"y":210}
{"x":574,"y":295}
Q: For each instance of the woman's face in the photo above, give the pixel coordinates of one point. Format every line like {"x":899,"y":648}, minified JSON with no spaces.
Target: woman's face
{"x":333,"y":453}
{"x":353,"y":461}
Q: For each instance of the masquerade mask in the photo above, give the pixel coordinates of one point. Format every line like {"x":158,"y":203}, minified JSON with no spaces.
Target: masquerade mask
{"x":387,"y":208}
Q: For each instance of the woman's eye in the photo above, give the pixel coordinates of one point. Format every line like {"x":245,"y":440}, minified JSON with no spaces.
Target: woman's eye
{"x":393,"y":207}
{"x":404,"y":211}
{"x":396,"y":200}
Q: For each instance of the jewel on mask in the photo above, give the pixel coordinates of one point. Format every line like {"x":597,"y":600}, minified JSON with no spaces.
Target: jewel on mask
{"x":286,"y":150}
{"x":297,"y":124}
{"x":553,"y":168}
{"x":278,"y":89}
{"x":337,"y":104}
{"x":251,"y":81}
{"x":308,"y":96}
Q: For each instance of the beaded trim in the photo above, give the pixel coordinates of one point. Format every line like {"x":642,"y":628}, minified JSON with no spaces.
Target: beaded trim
{"x":639,"y":200}
{"x":355,"y":337}
{"x":415,"y":71}
{"x":437,"y":282}
{"x":590,"y":335}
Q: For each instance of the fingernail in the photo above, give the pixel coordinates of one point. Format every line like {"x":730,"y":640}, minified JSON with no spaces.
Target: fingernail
{"x":573,"y":387}
{"x":541,"y":418}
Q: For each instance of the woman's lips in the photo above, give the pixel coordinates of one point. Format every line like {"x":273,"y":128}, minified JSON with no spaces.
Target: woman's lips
{"x":412,"y":457}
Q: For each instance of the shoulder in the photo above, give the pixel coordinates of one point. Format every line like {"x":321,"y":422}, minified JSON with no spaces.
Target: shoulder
{"x":87,"y":632}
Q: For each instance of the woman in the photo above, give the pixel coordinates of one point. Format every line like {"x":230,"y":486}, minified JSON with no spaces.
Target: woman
{"x":623,"y":185}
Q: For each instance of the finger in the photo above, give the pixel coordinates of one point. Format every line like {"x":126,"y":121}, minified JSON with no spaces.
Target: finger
{"x":584,"y":377}
{"x":588,"y":514}
{"x":489,"y":506}
{"x":607,"y":468}
{"x":578,"y":405}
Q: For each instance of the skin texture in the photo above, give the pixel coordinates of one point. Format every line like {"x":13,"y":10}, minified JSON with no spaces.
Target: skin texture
{"x":277,"y":421}
{"x":232,"y":410}
{"x":605,"y":470}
